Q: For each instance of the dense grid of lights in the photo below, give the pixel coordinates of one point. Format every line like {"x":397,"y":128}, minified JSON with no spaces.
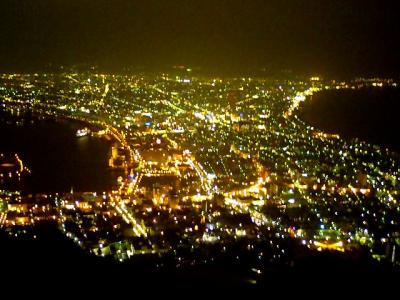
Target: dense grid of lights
{"x":213,"y":164}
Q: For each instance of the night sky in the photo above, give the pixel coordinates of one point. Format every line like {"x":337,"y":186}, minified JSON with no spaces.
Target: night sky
{"x":340,"y":37}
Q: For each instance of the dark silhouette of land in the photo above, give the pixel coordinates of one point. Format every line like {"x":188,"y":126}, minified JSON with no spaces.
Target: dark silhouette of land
{"x":56,"y":263}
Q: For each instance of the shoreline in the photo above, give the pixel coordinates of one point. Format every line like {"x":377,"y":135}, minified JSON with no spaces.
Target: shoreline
{"x":70,"y":163}
{"x":347,"y":113}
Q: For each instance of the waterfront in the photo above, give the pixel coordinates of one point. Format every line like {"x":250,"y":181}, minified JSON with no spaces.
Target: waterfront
{"x":369,"y":114}
{"x":57,"y":158}
{"x":221,"y":173}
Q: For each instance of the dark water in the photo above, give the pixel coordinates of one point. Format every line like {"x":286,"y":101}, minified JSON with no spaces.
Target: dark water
{"x":57,"y":158}
{"x":370,"y":114}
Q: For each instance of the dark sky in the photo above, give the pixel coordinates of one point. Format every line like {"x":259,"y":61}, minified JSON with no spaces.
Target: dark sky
{"x":318,"y":36}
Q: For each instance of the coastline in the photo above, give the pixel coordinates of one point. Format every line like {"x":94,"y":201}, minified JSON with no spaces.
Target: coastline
{"x":355,"y":115}
{"x":58,"y":160}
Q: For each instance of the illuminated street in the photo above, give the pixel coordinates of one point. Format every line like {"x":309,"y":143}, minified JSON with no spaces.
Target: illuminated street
{"x":199,"y":144}
{"x":199,"y":163}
